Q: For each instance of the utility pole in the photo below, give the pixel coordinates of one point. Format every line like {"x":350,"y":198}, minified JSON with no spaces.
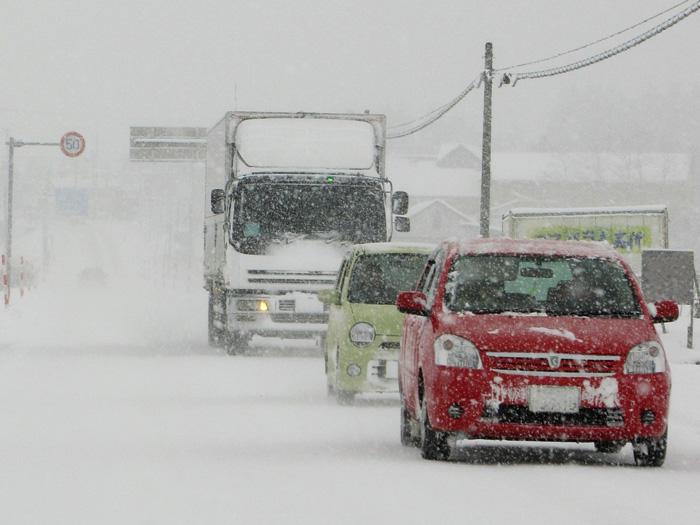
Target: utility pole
{"x":486,"y":145}
{"x":10,"y":190}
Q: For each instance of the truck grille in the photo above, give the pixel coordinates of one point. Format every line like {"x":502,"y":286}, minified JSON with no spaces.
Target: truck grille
{"x":319,"y":278}
{"x":286,"y":305}
{"x":317,"y":318}
{"x":552,"y":364}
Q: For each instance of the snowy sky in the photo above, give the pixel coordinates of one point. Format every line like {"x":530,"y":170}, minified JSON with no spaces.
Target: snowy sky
{"x":104,"y":65}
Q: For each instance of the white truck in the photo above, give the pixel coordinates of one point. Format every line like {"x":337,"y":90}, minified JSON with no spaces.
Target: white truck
{"x":628,"y":229}
{"x":287,"y":192}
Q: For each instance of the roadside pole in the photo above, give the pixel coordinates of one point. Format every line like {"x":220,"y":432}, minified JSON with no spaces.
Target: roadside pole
{"x":484,"y":222}
{"x":72,"y":144}
{"x":10,"y":190}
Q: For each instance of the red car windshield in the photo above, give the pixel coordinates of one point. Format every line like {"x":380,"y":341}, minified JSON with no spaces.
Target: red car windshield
{"x":551,"y":285}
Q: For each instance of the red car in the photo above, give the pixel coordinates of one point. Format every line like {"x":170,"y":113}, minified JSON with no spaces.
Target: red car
{"x":533,"y":340}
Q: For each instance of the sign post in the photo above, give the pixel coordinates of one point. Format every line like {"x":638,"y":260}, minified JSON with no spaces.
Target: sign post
{"x":670,"y":274}
{"x":72,"y":144}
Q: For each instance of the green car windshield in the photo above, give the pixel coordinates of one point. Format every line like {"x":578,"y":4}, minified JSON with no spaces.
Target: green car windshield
{"x":378,"y":278}
{"x":551,"y":285}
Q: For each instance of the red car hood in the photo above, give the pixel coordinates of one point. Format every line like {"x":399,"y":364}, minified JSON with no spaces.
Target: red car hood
{"x":584,"y":335}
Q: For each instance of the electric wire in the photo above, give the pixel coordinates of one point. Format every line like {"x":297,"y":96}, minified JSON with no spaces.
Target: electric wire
{"x":432,"y":116}
{"x":589,"y":44}
{"x":449,"y":104}
{"x":609,"y":53}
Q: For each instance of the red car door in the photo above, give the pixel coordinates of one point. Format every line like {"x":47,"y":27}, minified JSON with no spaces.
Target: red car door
{"x":414,"y":332}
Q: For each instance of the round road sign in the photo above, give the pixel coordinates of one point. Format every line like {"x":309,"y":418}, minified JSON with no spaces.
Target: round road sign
{"x":72,"y":144}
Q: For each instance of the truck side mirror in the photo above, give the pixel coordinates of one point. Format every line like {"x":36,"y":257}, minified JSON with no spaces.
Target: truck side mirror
{"x":218,"y":198}
{"x":402,"y":224}
{"x":399,"y":202}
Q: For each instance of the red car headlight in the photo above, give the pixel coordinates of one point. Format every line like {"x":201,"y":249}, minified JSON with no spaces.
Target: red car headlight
{"x":646,"y":358}
{"x":457,"y":352}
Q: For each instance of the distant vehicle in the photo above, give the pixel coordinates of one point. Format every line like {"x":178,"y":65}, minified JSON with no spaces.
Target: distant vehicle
{"x":362,"y":343}
{"x":533,"y":340}
{"x":92,"y":276}
{"x":628,"y":229}
{"x":288,"y":192}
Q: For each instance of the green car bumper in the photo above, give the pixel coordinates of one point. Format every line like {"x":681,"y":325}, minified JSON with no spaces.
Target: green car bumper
{"x":371,"y":368}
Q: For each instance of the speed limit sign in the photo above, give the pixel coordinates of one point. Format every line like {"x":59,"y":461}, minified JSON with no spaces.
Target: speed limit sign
{"x":72,"y":144}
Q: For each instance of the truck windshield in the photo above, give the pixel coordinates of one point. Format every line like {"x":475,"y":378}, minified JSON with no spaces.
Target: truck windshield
{"x":552,"y":285}
{"x":378,"y":278}
{"x":269,"y":213}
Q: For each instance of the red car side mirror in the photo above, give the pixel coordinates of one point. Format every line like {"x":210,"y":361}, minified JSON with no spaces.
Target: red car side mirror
{"x":664,"y":312}
{"x":411,"y":303}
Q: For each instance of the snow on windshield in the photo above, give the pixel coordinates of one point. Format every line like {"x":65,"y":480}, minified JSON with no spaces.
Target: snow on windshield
{"x":306,"y":143}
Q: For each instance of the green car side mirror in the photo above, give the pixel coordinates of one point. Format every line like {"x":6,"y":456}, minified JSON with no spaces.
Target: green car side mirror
{"x":329,"y":297}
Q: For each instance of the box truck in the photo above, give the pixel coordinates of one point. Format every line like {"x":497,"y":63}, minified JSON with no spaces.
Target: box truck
{"x":286,"y":194}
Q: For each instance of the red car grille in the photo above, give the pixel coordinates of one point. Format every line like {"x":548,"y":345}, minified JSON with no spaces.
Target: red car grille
{"x":552,"y":364}
{"x":594,"y":417}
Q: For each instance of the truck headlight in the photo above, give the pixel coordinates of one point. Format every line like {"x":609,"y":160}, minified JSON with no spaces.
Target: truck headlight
{"x":646,"y":358}
{"x":252,"y":305}
{"x":457,"y":352}
{"x":362,"y":334}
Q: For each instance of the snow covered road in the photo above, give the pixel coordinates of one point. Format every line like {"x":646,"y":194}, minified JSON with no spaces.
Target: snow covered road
{"x":116,"y":434}
{"x":114,"y":410}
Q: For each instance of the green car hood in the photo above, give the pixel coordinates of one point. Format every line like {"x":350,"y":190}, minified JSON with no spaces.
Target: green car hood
{"x":385,"y":318}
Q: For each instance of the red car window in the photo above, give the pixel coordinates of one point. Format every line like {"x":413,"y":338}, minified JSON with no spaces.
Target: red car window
{"x":552,"y":285}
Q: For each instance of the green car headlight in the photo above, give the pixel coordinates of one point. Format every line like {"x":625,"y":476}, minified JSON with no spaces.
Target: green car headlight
{"x":362,"y":334}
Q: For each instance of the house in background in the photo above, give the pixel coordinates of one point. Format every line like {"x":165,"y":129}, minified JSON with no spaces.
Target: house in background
{"x":435,"y":220}
{"x":458,"y":156}
{"x":546,"y":180}
{"x":442,"y":200}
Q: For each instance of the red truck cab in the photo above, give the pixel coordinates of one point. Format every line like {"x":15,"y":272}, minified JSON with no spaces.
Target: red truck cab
{"x":533,"y":340}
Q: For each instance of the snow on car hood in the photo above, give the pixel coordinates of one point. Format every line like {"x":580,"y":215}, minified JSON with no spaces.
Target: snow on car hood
{"x":588,"y":335}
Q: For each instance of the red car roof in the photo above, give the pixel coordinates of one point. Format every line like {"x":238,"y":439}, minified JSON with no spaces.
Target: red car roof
{"x":534,"y":247}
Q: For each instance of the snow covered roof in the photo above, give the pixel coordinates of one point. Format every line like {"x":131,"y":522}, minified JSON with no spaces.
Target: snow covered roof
{"x":420,"y":207}
{"x":587,"y":167}
{"x":447,"y":148}
{"x":611,"y":210}
{"x":394,"y":247}
{"x":537,"y":247}
{"x":423,"y":177}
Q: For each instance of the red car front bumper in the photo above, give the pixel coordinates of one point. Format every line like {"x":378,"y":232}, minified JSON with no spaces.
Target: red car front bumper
{"x":482,"y":404}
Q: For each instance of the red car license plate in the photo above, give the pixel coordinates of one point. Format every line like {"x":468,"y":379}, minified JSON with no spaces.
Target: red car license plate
{"x":561,"y":399}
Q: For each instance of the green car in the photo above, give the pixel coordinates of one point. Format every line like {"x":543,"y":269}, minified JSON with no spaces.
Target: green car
{"x":364,"y":326}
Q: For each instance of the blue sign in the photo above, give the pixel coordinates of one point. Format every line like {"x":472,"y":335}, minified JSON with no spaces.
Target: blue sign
{"x":72,"y":201}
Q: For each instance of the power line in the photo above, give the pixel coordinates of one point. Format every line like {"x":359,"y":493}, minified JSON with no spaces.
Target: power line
{"x":589,"y":44}
{"x":416,"y":125}
{"x":609,"y":53}
{"x":432,"y":116}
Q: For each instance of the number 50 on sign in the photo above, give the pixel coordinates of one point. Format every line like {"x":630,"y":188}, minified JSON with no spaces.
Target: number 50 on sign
{"x":72,"y":144}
